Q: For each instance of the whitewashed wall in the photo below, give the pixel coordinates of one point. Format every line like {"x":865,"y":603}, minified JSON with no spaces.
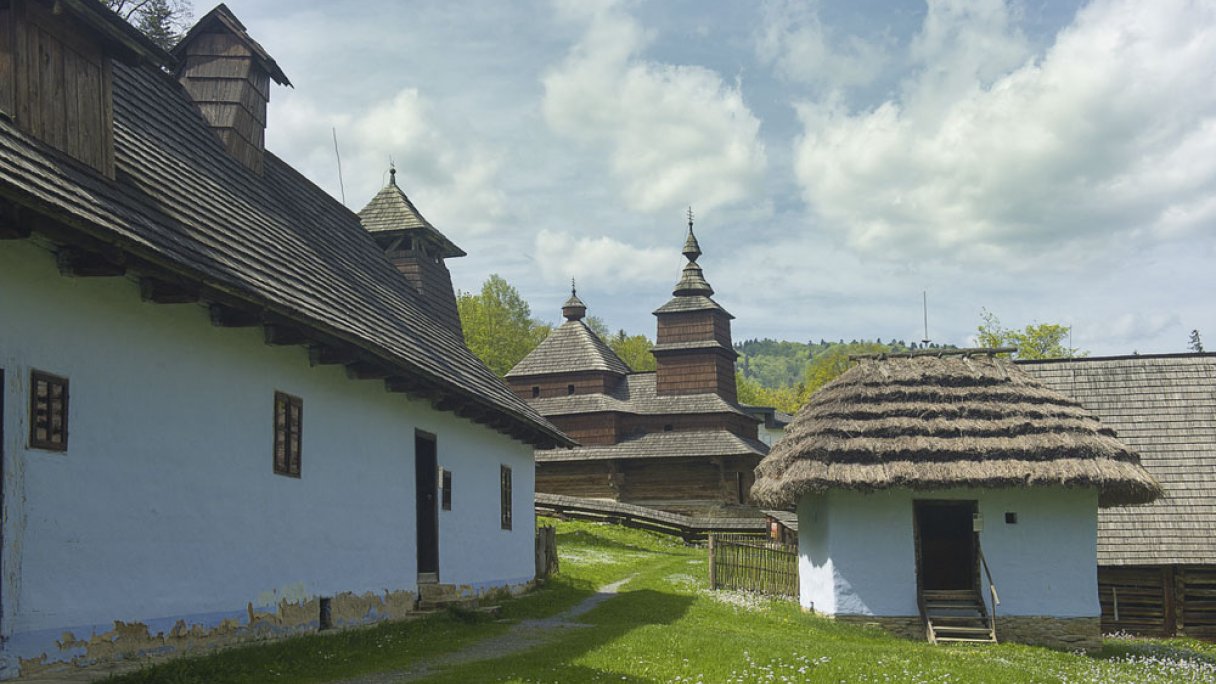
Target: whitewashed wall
{"x":165,"y":505}
{"x":858,"y":554}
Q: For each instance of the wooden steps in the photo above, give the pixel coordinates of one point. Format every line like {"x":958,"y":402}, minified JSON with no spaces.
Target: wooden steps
{"x":956,"y":616}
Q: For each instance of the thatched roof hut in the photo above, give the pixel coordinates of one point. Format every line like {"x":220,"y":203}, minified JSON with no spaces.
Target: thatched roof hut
{"x":939,"y":421}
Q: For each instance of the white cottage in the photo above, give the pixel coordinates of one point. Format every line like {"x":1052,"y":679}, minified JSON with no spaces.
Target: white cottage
{"x":224,"y":414}
{"x":949,"y":495}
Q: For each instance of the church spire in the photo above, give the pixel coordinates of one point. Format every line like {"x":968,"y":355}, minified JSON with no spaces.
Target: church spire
{"x":692,"y":281}
{"x":574,"y":309}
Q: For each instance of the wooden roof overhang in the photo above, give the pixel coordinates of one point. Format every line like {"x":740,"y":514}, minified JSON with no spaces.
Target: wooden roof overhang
{"x":170,"y":223}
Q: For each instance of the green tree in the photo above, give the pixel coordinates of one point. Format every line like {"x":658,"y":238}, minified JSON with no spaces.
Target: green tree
{"x":163,"y":21}
{"x":830,"y":364}
{"x":498,"y":324}
{"x":1041,"y":341}
{"x":633,"y":350}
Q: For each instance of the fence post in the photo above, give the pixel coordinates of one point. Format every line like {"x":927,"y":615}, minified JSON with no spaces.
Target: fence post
{"x":713,"y":572}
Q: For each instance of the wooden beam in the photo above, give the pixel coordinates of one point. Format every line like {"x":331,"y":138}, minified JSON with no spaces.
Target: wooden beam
{"x":411,"y":386}
{"x":164,"y":292}
{"x":447,"y":403}
{"x":11,"y":225}
{"x":79,"y":263}
{"x":278,"y":334}
{"x":224,"y":316}
{"x":367,"y":370}
{"x":325,"y":355}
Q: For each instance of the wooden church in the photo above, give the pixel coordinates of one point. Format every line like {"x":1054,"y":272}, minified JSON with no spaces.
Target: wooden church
{"x":674,"y":439}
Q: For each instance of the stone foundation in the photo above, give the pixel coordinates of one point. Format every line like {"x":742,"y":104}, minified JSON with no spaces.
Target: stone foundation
{"x":1066,"y":634}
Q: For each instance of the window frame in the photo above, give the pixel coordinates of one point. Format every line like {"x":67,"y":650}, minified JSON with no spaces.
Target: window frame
{"x":48,"y":443}
{"x":504,"y":494}
{"x":283,"y":427}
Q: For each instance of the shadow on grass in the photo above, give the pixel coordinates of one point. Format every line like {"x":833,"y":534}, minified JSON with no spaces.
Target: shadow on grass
{"x":555,"y":658}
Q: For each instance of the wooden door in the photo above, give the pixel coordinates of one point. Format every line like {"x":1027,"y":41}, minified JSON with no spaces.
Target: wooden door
{"x":945,"y":545}
{"x":426,"y":473}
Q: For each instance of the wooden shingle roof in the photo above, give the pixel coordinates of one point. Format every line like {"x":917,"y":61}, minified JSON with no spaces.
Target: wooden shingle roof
{"x":271,"y":243}
{"x":636,"y":394}
{"x":572,"y":347}
{"x":657,"y":445}
{"x":392,"y":211}
{"x":1165,"y":408}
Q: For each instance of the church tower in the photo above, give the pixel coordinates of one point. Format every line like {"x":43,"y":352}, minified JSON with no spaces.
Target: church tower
{"x":693,"y":348}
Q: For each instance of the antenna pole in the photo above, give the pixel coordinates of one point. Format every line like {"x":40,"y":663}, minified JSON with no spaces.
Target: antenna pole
{"x":341,"y":185}
{"x":924,"y":298}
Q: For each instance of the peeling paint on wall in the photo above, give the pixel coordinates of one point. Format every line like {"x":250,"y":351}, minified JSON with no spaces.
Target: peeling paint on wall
{"x":126,"y":641}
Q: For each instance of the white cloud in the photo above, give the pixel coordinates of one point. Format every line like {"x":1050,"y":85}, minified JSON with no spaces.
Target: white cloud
{"x":990,"y":153}
{"x":604,"y":262}
{"x":673,"y":135}
{"x":451,"y":180}
{"x":801,"y":49}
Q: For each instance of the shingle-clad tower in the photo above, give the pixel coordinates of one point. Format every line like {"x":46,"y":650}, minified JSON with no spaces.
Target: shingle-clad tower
{"x":416,"y":248}
{"x":693,"y":347}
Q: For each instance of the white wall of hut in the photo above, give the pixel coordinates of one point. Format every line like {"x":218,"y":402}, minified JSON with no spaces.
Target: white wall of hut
{"x":165,"y":506}
{"x":858,"y":551}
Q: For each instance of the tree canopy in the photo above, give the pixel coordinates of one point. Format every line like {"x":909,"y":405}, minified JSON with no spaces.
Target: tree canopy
{"x":498,"y":324}
{"x":164,"y":21}
{"x":1035,"y":341}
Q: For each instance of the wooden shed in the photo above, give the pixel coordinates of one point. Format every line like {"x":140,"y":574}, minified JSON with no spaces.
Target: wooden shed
{"x":1156,"y":563}
{"x":934,"y":490}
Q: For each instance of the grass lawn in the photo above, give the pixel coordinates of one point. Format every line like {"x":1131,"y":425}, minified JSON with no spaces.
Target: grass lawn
{"x":665,"y":627}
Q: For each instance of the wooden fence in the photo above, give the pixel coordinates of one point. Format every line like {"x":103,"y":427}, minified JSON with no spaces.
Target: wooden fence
{"x":753,"y":563}
{"x":686,"y":527}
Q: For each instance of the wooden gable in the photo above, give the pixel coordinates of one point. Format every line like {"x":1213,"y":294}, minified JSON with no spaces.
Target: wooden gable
{"x":55,"y":82}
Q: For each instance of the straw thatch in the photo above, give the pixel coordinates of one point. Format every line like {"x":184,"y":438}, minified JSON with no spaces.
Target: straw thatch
{"x":965,"y":419}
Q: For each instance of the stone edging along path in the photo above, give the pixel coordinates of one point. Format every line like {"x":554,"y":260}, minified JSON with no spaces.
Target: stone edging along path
{"x":523,"y":636}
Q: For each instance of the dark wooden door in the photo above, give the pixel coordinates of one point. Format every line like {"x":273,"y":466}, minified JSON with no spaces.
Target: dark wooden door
{"x":946,"y":557}
{"x":426,"y":469}
{"x":3,"y":547}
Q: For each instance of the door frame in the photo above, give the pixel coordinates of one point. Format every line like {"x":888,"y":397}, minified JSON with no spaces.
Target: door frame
{"x":917,"y":506}
{"x":426,"y":481}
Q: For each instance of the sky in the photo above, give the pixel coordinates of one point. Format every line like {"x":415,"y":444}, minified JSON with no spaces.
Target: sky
{"x":1049,"y":161}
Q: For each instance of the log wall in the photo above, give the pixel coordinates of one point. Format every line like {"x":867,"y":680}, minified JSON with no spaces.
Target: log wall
{"x":1159,"y":600}
{"x":694,"y":326}
{"x":559,"y":385}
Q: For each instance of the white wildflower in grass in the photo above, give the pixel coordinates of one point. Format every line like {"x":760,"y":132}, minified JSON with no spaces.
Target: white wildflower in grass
{"x":746,"y":600}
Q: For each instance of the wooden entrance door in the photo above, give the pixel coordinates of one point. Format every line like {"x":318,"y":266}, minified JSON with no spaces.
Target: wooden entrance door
{"x":945,"y":545}
{"x":426,"y":473}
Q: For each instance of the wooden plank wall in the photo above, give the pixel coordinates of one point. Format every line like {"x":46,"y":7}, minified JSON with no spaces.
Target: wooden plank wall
{"x":693,"y":326}
{"x":61,"y":85}
{"x":695,"y":372}
{"x":1159,"y":600}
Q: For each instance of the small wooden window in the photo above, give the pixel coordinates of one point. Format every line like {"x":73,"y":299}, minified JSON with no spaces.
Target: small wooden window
{"x":288,"y":417}
{"x":569,"y":389}
{"x":505,"y":494}
{"x":1011,"y":518}
{"x":48,"y":411}
{"x":445,"y":488}
{"x":535,"y":392}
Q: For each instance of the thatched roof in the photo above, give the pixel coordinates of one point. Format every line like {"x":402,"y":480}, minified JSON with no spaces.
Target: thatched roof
{"x":938,"y":421}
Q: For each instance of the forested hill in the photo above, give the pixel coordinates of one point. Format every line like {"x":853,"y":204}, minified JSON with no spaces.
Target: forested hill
{"x":778,"y":363}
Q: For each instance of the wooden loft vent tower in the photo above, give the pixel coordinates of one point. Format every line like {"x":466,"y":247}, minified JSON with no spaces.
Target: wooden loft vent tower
{"x":693,"y":348}
{"x":416,"y":248}
{"x":228,"y":75}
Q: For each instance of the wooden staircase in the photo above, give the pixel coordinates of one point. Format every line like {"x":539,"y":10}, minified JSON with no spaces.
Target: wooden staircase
{"x":957,"y":616}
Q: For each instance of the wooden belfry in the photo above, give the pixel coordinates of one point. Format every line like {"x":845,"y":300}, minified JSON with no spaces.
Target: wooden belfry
{"x":693,"y":348}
